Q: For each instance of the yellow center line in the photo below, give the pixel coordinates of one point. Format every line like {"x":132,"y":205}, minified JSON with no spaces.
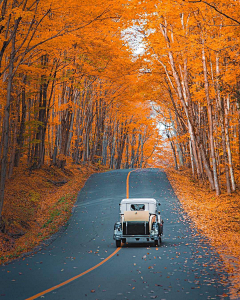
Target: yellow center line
{"x":89,"y":270}
{"x":127,"y":183}
{"x":73,"y":278}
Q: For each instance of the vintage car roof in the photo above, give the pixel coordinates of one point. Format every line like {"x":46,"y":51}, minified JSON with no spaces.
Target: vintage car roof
{"x":139,"y":200}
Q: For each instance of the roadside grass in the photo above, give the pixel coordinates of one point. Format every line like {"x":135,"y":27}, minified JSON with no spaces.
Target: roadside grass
{"x":218,"y":218}
{"x":36,"y":206}
{"x":61,"y":208}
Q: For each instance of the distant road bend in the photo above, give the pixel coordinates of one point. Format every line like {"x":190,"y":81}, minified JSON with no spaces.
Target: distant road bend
{"x":83,"y":262}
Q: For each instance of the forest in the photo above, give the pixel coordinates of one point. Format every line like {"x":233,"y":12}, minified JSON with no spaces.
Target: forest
{"x":120,"y":84}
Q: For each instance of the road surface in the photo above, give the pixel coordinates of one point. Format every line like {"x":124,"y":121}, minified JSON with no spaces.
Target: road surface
{"x":83,"y":262}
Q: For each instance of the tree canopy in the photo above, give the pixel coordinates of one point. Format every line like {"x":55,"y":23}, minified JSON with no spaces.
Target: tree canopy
{"x":75,"y":85}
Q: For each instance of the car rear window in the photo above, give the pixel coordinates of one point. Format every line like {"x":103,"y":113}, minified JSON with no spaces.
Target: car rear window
{"x":137,"y":207}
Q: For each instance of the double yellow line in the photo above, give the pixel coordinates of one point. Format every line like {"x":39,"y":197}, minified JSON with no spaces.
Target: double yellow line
{"x":89,"y":270}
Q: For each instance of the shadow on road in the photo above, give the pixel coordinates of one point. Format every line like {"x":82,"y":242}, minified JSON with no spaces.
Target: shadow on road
{"x":140,"y":244}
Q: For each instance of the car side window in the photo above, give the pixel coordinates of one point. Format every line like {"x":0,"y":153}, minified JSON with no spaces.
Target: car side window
{"x":137,"y":207}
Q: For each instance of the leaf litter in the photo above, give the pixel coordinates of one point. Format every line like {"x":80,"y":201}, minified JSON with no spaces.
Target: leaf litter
{"x":218,"y":218}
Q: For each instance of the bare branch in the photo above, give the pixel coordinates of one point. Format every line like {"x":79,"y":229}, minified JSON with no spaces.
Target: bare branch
{"x":216,"y":9}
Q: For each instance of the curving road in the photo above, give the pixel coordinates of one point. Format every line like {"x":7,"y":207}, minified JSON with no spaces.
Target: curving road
{"x":83,"y":263}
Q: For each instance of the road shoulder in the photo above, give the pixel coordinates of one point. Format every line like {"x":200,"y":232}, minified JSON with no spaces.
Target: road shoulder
{"x":215,"y":217}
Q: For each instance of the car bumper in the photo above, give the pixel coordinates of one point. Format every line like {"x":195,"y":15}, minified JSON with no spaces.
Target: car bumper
{"x":119,"y":236}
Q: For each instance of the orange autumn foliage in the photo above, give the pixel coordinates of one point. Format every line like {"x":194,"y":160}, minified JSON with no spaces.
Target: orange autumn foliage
{"x":73,"y":88}
{"x":68,"y":80}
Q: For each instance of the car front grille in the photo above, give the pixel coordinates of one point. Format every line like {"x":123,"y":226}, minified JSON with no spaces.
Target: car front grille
{"x":136,"y":228}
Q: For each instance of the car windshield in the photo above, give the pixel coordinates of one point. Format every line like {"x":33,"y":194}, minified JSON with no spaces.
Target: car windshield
{"x":137,"y":206}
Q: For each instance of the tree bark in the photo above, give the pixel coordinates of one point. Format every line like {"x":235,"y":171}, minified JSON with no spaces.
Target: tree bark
{"x":20,"y":138}
{"x":5,"y":130}
{"x":226,"y":103}
{"x":210,"y":122}
{"x":220,"y":106}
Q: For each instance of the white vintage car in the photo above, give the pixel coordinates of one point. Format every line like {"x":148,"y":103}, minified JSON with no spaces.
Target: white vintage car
{"x":139,"y":218}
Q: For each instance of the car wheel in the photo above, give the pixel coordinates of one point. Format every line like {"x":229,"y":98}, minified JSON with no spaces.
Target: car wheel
{"x":158,"y":242}
{"x":118,"y":243}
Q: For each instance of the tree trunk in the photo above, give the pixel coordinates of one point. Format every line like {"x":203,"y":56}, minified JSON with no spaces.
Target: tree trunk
{"x":191,"y":157}
{"x":179,"y":152}
{"x":210,"y":123}
{"x":5,"y":130}
{"x":142,"y":144}
{"x":174,"y":152}
{"x":39,"y":149}
{"x":13,"y":143}
{"x":127,"y":154}
{"x":112,"y":153}
{"x":220,"y":106}
{"x":20,"y":138}
{"x":226,"y":103}
{"x":121,"y":144}
{"x":104,"y":146}
{"x":133,"y":142}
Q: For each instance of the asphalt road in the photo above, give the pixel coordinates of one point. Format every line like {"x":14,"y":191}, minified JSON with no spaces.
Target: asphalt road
{"x":182,"y":268}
